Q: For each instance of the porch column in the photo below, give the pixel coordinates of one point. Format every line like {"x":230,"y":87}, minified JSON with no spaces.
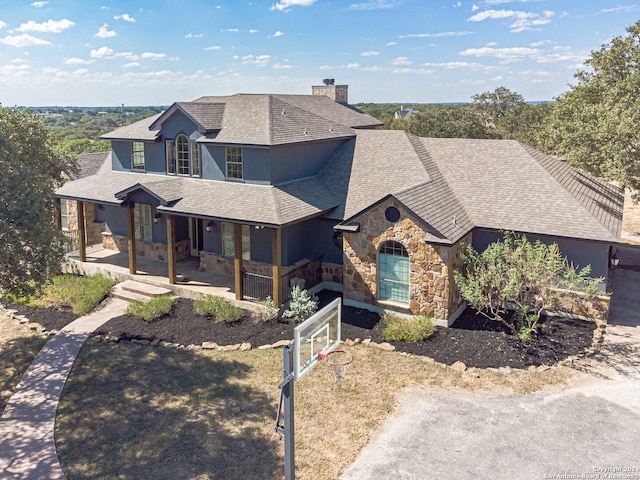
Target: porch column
{"x":237,"y":262}
{"x":82,"y":236}
{"x":131,"y":240}
{"x":58,"y":213}
{"x":171,"y":247}
{"x":276,"y":253}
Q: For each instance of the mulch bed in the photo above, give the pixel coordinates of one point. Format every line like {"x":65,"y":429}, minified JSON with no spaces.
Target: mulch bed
{"x":473,"y":339}
{"x":51,"y":318}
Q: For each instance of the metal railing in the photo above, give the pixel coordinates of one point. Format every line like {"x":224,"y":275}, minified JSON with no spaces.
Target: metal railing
{"x":93,"y":234}
{"x":306,"y":276}
{"x":258,"y":287}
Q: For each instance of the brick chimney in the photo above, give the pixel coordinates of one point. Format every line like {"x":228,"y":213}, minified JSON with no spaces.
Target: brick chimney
{"x":337,"y":93}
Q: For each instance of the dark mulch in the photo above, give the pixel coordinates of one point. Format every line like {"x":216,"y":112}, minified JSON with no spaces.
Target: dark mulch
{"x":51,"y":318}
{"x":474,"y":340}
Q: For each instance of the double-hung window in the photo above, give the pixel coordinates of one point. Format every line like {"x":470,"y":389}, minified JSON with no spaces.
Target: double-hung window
{"x":195,"y":160}
{"x":143,"y":221}
{"x":234,"y":163}
{"x":182,"y":154}
{"x":137,"y":155}
{"x":171,"y":156}
{"x":228,"y":241}
{"x":64,"y":214}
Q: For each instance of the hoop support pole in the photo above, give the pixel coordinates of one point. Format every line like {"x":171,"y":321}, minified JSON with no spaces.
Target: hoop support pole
{"x":287,"y":399}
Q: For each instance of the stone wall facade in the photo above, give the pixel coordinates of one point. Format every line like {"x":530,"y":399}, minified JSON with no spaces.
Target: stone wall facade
{"x":432,"y":291}
{"x":72,"y":214}
{"x":152,"y":250}
{"x":213,"y":262}
{"x":332,"y":272}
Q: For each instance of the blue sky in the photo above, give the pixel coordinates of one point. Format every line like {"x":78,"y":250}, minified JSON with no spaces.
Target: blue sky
{"x":139,"y":52}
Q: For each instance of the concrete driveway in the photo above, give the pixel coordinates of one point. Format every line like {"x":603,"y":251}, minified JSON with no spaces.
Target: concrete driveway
{"x":579,"y":432}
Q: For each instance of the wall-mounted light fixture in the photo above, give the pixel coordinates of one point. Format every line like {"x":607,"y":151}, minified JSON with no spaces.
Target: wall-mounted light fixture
{"x":614,"y":260}
{"x":156,"y":217}
{"x":208,"y":227}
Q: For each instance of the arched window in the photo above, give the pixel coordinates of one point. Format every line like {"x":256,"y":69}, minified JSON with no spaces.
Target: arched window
{"x":182,"y":154}
{"x":393,"y":272}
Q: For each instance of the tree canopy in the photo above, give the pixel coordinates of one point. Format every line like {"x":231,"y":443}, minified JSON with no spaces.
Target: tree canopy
{"x":496,"y":104}
{"x":31,"y":169}
{"x":594,"y":125}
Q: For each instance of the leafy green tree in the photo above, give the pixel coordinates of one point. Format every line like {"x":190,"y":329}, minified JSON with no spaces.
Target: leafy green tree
{"x":525,"y":123}
{"x":495,"y":105}
{"x":446,"y":121}
{"x":515,"y":274}
{"x":31,"y":169}
{"x":595,"y":124}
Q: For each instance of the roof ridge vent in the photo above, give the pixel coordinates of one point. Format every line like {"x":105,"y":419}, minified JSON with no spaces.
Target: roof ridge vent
{"x":283,"y":112}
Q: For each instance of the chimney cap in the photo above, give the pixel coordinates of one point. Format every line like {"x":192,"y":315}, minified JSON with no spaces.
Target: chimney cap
{"x":329,"y":81}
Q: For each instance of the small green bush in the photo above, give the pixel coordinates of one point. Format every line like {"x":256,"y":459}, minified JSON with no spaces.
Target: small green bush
{"x":80,"y":294}
{"x":403,"y":329}
{"x":151,"y":309}
{"x":267,"y":311}
{"x":218,"y":308}
{"x":302,"y":305}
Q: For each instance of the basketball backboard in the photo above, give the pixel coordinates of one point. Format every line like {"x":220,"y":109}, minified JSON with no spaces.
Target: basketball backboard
{"x":319,"y":333}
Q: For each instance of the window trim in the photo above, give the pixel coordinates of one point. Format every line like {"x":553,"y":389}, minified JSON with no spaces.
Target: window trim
{"x":137,"y":154}
{"x":234,"y":152}
{"x":229,"y":249}
{"x":194,"y":151}
{"x":386,"y":284}
{"x":170,"y":152}
{"x":143,"y":222}
{"x":181,"y":160}
{"x":64,"y":214}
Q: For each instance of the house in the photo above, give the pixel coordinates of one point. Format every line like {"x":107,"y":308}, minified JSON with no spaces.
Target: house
{"x":404,"y":114}
{"x":304,"y":189}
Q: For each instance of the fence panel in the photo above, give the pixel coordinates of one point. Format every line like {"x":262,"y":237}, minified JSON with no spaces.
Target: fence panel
{"x":256,"y":287}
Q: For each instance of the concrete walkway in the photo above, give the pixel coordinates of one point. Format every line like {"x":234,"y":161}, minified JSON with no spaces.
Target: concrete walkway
{"x":27,"y":443}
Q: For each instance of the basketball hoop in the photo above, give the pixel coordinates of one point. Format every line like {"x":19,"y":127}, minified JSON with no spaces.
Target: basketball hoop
{"x":339,"y":361}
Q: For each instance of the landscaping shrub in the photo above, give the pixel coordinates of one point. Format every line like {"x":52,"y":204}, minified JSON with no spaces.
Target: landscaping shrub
{"x":267,"y":312}
{"x":218,"y":308}
{"x":302,"y":305}
{"x":406,"y":329}
{"x":151,"y":309}
{"x":80,"y":294}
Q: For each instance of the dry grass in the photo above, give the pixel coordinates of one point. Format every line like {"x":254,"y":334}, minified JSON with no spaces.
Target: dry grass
{"x":18,"y":347}
{"x":137,"y":412}
{"x":631,"y":215}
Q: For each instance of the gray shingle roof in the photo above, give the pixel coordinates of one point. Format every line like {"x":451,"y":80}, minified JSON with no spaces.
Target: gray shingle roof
{"x":136,"y":131}
{"x":208,"y":115}
{"x":256,"y":204}
{"x":92,"y":163}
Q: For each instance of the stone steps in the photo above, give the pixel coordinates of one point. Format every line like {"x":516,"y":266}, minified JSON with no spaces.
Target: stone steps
{"x":130,"y":290}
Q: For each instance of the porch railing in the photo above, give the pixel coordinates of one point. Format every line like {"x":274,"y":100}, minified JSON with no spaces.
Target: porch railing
{"x":93,"y":235}
{"x":258,"y":287}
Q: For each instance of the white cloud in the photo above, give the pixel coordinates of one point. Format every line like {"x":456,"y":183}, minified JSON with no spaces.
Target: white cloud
{"x":523,"y":20}
{"x":193,"y":35}
{"x":153,"y":56}
{"x":104,"y":32}
{"x":326,"y":67}
{"x":372,"y":5}
{"x":258,"y":60}
{"x":458,"y":4}
{"x":401,"y":61}
{"x":50,"y":26}
{"x":38,"y":4}
{"x":24,"y":40}
{"x":390,"y":44}
{"x":286,"y":4}
{"x":369,"y":53}
{"x":76,"y":61}
{"x":475,"y":8}
{"x":253,"y":30}
{"x":509,"y":54}
{"x":454,"y":65}
{"x":436,"y":35}
{"x":2,"y":24}
{"x":80,"y":71}
{"x":278,"y":34}
{"x":102,"y":52}
{"x":420,"y":71}
{"x":131,"y":65}
{"x":233,"y":30}
{"x":212,"y":48}
{"x":281,"y":66}
{"x":14,"y":69}
{"x":126,"y":17}
{"x":352,"y":66}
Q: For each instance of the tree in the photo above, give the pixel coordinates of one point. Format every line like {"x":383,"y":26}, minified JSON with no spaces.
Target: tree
{"x":496,"y":104}
{"x":446,"y":121}
{"x":31,"y":169}
{"x":515,"y":274}
{"x":525,"y":123}
{"x":595,"y":124}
